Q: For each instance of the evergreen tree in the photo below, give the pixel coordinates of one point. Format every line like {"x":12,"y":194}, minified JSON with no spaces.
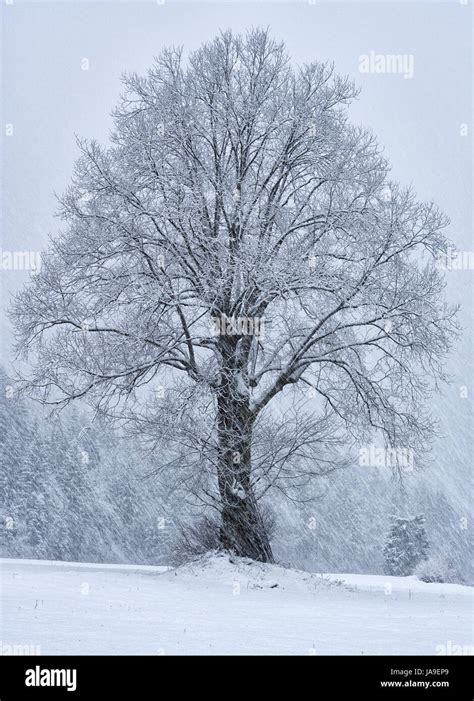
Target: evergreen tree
{"x":406,"y":545}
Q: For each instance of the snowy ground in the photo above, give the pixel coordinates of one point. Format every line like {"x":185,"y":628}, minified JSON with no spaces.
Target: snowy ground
{"x":220,"y":607}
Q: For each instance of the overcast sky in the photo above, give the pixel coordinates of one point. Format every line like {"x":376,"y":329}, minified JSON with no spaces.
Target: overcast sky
{"x":48,"y":97}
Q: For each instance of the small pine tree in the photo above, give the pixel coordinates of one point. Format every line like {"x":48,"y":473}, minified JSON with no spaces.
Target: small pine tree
{"x":406,"y":545}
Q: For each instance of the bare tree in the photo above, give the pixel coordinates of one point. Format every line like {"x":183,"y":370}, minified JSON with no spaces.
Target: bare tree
{"x":240,"y":243}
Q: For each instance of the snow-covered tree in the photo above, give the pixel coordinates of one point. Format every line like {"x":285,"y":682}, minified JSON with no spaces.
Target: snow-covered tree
{"x":239,"y":281}
{"x":406,"y":545}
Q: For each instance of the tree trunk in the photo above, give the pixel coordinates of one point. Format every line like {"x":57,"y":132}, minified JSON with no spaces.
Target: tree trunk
{"x":242,"y":529}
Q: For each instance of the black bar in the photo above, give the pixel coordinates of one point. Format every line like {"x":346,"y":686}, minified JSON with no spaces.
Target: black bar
{"x":152,"y":677}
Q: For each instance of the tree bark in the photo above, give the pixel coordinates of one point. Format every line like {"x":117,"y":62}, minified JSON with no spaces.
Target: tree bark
{"x":242,"y":528}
